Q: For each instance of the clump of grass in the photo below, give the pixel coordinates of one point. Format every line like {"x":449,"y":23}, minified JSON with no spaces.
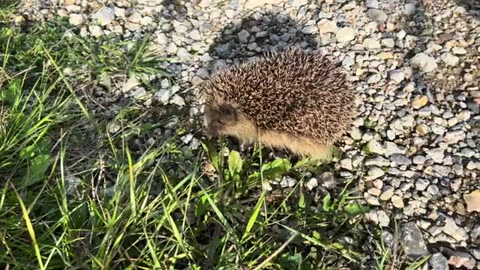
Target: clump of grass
{"x":75,"y":195}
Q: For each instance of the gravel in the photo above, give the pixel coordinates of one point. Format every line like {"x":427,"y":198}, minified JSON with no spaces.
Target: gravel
{"x":415,"y":70}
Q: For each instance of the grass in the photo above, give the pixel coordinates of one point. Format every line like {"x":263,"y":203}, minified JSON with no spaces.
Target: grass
{"x":76,"y":195}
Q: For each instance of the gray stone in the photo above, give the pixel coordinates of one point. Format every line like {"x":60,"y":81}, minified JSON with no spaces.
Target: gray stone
{"x":298,"y":3}
{"x":287,"y":181}
{"x":346,"y":164}
{"x":383,"y":218}
{"x":327,"y":180}
{"x":243,"y":36}
{"x":312,"y":183}
{"x":436,"y":154}
{"x":400,"y":159}
{"x":424,"y":62}
{"x":374,"y":173}
{"x":414,"y":245}
{"x":438,"y":262}
{"x":453,"y":230}
{"x":397,"y":201}
{"x":388,"y":42}
{"x":375,"y":147}
{"x":327,"y":26}
{"x":397,"y":75}
{"x":421,"y":184}
{"x":433,"y":190}
{"x":95,"y":30}
{"x":195,"y":35}
{"x":449,"y":59}
{"x":311,"y":29}
{"x":392,"y":149}
{"x":136,"y":17}
{"x":419,"y":160}
{"x":372,"y":4}
{"x":104,"y":16}
{"x":377,"y":15}
{"x":371,"y":43}
{"x":454,"y":137}
{"x":377,"y":161}
{"x":345,"y":34}
{"x":387,"y":193}
{"x":458,"y":51}
{"x":409,"y":9}
{"x":140,"y":93}
{"x":375,"y":78}
{"x":76,"y":19}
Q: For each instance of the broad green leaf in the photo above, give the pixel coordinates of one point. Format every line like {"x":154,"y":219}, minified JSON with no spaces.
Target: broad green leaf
{"x":355,"y":209}
{"x":326,"y":202}
{"x":37,"y":169}
{"x":235,"y":163}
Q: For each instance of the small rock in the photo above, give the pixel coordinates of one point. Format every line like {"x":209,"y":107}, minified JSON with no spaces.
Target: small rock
{"x":409,"y":9}
{"x":177,"y":100}
{"x":327,"y":180}
{"x":421,"y":184}
{"x":438,"y":262}
{"x":76,"y":19}
{"x":454,"y":137}
{"x":388,"y":42}
{"x":459,"y":51}
{"x":424,"y":62}
{"x":312,"y":183}
{"x":375,"y":147}
{"x":397,"y":201}
{"x":419,"y":160}
{"x":327,"y":26}
{"x":371,"y":4}
{"x":449,"y":59}
{"x":436,"y":154}
{"x":311,"y":29}
{"x":104,"y":16}
{"x":374,"y":191}
{"x":346,"y":164}
{"x":374,"y":173}
{"x":372,"y":200}
{"x":298,"y":3}
{"x":400,"y":159}
{"x":287,"y":181}
{"x":95,"y":30}
{"x":462,"y":259}
{"x":139,"y":93}
{"x":419,"y":102}
{"x":345,"y":34}
{"x":453,"y":230}
{"x":371,"y":43}
{"x":473,"y":201}
{"x":412,"y":238}
{"x":387,"y":193}
{"x":377,"y":15}
{"x":397,"y":75}
{"x":243,"y":36}
{"x":383,"y":218}
{"x":392,"y":149}
{"x":375,"y":78}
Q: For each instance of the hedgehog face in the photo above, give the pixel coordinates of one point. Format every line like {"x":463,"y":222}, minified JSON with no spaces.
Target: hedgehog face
{"x":226,"y":120}
{"x":219,"y":118}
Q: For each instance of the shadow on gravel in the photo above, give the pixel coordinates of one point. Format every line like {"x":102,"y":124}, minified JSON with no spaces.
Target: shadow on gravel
{"x":472,"y":7}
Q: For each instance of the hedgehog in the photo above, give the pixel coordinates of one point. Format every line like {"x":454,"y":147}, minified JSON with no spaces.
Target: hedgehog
{"x":295,"y":99}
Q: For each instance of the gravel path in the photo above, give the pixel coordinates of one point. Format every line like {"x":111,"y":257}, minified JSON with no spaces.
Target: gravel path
{"x":415,"y":147}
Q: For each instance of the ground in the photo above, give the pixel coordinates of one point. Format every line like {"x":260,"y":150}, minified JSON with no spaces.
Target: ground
{"x":104,"y":164}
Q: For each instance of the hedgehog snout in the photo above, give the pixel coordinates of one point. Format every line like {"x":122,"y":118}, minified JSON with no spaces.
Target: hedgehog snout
{"x":213,"y":128}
